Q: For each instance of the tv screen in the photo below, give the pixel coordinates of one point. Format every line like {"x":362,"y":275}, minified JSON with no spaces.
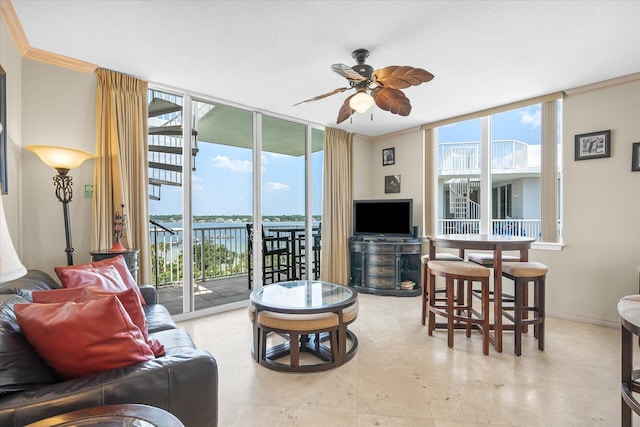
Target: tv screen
{"x":385,"y":217}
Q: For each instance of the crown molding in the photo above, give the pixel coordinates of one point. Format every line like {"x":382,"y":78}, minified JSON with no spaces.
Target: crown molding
{"x":605,"y":83}
{"x":14,"y":27}
{"x":59,"y":60}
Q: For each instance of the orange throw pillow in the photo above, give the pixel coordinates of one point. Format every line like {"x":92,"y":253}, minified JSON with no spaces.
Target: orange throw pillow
{"x":129,"y":300}
{"x":118,"y":262}
{"x":84,"y":338}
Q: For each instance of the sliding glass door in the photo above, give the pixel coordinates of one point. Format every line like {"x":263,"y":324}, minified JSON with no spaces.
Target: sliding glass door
{"x":238,"y":170}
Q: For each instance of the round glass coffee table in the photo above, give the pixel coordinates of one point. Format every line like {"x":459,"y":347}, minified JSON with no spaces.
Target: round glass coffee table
{"x":300,"y":298}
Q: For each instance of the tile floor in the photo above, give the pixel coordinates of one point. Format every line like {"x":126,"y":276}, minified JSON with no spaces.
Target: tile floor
{"x":402,"y":377}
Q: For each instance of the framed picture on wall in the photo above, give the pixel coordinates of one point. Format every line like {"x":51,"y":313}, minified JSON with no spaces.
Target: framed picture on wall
{"x":635,"y":157}
{"x":392,"y":184}
{"x":593,"y":145}
{"x":388,"y":156}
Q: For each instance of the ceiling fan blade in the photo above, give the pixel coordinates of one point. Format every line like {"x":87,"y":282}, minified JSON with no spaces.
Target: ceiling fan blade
{"x":396,"y":77}
{"x":345,"y":111}
{"x":392,"y":100}
{"x":347,"y":72}
{"x":315,"y":98}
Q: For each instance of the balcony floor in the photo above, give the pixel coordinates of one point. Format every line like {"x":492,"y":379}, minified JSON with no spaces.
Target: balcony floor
{"x":207,"y":294}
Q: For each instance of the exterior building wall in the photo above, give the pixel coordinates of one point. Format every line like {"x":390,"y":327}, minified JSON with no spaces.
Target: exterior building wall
{"x":530,"y":199}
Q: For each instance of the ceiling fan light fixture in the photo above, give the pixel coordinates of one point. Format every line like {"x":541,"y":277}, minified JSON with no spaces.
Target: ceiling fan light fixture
{"x":361,"y":101}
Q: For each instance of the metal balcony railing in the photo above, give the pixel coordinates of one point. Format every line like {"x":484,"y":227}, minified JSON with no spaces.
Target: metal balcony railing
{"x":219,"y":251}
{"x":464,"y":157}
{"x":510,"y":227}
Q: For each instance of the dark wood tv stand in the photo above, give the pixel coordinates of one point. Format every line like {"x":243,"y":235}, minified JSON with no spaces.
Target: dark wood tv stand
{"x":380,"y":266}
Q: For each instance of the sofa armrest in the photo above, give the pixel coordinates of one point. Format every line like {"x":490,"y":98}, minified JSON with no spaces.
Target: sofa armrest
{"x":149,"y":293}
{"x":184,"y":384}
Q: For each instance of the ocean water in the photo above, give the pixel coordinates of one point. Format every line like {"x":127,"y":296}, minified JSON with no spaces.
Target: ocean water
{"x":231,"y":235}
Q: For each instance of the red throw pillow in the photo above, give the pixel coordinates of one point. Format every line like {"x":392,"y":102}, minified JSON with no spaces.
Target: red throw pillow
{"x":129,"y":300}
{"x":105,"y":278}
{"x":84,"y":338}
{"x":118,"y":262}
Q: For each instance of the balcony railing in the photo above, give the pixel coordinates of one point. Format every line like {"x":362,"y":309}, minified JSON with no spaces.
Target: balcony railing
{"x":464,"y":157}
{"x":510,"y":227}
{"x":219,"y":251}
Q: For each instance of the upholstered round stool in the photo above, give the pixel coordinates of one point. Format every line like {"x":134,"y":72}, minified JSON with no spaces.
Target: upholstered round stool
{"x":297,"y":327}
{"x":423,"y":278}
{"x":629,"y":310}
{"x":523,"y":274}
{"x":458,"y":309}
{"x":349,"y":315}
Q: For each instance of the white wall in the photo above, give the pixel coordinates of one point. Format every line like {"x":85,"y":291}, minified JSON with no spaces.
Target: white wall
{"x":12,"y":64}
{"x":58,"y":108}
{"x":601,"y":209}
{"x":408,"y":164}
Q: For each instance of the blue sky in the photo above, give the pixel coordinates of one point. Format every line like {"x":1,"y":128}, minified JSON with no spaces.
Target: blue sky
{"x":223,"y":178}
{"x":522,"y":124}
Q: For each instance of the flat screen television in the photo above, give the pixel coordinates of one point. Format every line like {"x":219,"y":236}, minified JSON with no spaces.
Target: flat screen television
{"x":383,"y":218}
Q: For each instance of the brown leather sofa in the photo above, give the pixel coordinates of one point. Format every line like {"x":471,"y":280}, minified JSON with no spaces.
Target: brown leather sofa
{"x":184,"y":381}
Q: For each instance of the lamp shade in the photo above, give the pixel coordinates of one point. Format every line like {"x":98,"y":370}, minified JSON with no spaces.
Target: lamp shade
{"x":10,"y":265}
{"x":361,"y":101}
{"x":59,"y":157}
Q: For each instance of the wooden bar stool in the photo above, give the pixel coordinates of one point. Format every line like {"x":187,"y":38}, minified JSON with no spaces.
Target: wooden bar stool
{"x":522,"y":274}
{"x":458,"y":309}
{"x":629,"y":310}
{"x":486,"y":260}
{"x":423,"y":277}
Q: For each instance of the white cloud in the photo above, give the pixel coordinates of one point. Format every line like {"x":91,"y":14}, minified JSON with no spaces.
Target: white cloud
{"x":526,"y":118}
{"x":276,"y":186}
{"x":223,"y":162}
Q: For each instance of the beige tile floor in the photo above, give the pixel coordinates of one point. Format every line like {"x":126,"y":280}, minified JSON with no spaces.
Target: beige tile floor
{"x":402,"y":377}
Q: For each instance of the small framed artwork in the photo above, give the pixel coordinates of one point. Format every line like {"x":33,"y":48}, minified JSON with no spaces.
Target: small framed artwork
{"x":388,"y":156}
{"x":593,"y":145}
{"x":635,"y":157}
{"x":392,"y":184}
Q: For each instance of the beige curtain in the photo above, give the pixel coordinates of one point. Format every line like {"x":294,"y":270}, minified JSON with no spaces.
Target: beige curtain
{"x":336,"y":207}
{"x":121,"y":173}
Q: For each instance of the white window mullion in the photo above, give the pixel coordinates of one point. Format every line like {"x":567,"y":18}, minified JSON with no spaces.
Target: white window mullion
{"x":257,"y":201}
{"x":187,"y":223}
{"x":308,"y":222}
{"x":485,"y":175}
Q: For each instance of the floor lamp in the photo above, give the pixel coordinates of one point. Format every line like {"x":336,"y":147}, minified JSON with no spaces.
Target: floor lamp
{"x":62,"y":160}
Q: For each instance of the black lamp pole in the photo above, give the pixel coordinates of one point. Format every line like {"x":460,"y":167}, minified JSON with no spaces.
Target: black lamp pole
{"x":64,"y":193}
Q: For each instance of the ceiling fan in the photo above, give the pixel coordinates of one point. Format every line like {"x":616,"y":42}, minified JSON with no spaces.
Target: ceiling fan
{"x":380,"y":86}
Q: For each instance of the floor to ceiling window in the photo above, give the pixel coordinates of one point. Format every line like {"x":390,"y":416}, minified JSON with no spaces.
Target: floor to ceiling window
{"x":210,"y":194}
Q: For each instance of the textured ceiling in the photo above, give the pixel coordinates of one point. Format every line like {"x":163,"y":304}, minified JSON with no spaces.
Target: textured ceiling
{"x":268,"y":55}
